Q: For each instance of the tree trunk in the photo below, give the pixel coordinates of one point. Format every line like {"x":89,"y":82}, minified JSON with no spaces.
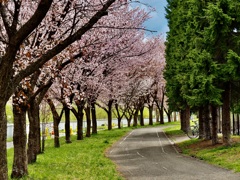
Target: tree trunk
{"x":214,"y":125}
{"x":150,"y":108}
{"x":67,"y":125}
{"x":207,"y":124}
{"x":129,"y":119}
{"x":157,"y":115}
{"x":226,"y":127}
{"x":220,"y":119}
{"x":135,"y":118}
{"x":119,"y":116}
{"x":168,"y":112}
{"x":43,"y":136}
{"x":19,"y":141}
{"x":169,"y":117}
{"x":80,"y":127}
{"x":56,"y":121}
{"x":201,"y":123}
{"x":161,"y":113}
{"x":88,"y":119}
{"x":34,"y":144}
{"x":161,"y":110}
{"x":94,"y":118}
{"x":185,"y":119}
{"x":3,"y":141}
{"x":174,"y":116}
{"x":109,"y":113}
{"x":119,"y":122}
{"x":80,"y":123}
{"x":238,"y":125}
{"x":141,"y":116}
{"x":233,"y":124}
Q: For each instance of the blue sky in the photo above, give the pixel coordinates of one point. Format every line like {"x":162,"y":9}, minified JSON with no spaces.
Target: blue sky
{"x":157,"y":22}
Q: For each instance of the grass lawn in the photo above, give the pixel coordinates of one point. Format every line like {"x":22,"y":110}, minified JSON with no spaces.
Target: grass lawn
{"x":78,"y":160}
{"x":174,"y":130}
{"x":220,"y":155}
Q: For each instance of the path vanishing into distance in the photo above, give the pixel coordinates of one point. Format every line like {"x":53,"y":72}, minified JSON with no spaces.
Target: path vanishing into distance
{"x":148,"y":154}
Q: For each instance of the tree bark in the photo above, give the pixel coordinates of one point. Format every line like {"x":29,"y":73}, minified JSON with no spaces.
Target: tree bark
{"x":141,"y":109}
{"x":109,"y":113}
{"x":169,"y":117}
{"x":168,"y":112}
{"x":88,"y":119}
{"x":129,"y":118}
{"x":220,"y":119}
{"x":150,"y":108}
{"x":201,"y":123}
{"x":3,"y":141}
{"x":238,"y":125}
{"x":207,"y":124}
{"x":79,"y":117}
{"x":129,"y":121}
{"x":174,"y":116}
{"x":80,"y":127}
{"x":56,"y":121}
{"x":161,"y":113}
{"x":19,"y":141}
{"x":135,"y":117}
{"x":157,"y":116}
{"x":233,"y":124}
{"x":214,"y":125}
{"x":185,"y":119}
{"x":67,"y":125}
{"x":34,"y":144}
{"x":226,"y":127}
{"x":161,"y":110}
{"x":94,"y":118}
{"x":119,"y":115}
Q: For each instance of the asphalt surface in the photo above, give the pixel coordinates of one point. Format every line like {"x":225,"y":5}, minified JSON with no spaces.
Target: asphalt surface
{"x":147,"y":154}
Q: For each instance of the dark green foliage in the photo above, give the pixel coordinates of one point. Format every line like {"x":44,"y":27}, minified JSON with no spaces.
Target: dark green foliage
{"x":202,"y":50}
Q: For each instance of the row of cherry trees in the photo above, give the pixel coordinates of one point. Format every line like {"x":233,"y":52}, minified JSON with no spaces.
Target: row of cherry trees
{"x":78,"y":54}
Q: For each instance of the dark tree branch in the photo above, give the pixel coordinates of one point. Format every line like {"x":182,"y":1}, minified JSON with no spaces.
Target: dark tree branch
{"x":62,"y":45}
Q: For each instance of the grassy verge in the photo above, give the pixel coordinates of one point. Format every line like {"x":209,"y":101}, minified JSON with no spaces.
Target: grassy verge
{"x":174,"y":131}
{"x":78,"y":160}
{"x":220,"y":155}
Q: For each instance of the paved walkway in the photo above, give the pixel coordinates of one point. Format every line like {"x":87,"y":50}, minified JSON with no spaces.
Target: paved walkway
{"x":148,"y":154}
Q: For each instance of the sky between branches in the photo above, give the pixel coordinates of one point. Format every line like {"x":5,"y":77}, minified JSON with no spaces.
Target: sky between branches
{"x":157,"y":22}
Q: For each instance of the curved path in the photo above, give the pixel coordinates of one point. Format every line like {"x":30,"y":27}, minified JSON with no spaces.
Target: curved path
{"x":147,"y":154}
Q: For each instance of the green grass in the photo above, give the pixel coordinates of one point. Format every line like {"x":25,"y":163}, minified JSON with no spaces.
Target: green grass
{"x":223,"y":156}
{"x":78,"y":160}
{"x":173,"y":130}
{"x":9,"y":139}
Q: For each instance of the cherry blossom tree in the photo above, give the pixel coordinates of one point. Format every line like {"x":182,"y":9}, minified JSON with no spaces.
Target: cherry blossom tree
{"x":145,"y":75}
{"x":17,"y":21}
